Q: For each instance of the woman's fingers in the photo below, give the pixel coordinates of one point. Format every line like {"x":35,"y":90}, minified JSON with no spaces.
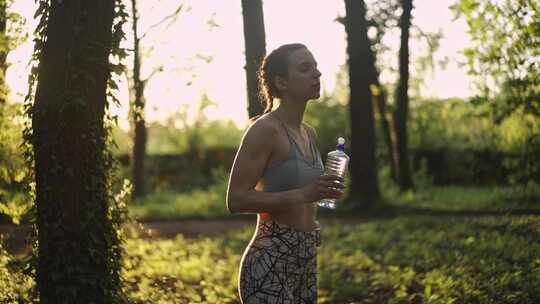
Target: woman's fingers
{"x":331,"y":178}
{"x":331,"y":186}
{"x":331,"y":189}
{"x":332,"y":183}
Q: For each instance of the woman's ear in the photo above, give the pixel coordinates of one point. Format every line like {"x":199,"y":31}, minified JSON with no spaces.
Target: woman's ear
{"x":281,"y":83}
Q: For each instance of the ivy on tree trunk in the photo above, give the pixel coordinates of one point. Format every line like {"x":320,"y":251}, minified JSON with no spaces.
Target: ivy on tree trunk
{"x":78,"y":258}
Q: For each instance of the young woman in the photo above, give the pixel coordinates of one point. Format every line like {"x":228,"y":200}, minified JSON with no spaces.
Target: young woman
{"x":278,"y":174}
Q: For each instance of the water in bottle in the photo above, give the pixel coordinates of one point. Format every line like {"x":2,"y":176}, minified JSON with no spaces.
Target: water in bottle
{"x":336,"y":164}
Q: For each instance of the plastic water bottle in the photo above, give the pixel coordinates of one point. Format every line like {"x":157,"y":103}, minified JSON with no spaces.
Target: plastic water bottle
{"x":336,"y":164}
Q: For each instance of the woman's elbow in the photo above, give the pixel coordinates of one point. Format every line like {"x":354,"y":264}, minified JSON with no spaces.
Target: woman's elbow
{"x":232,"y":203}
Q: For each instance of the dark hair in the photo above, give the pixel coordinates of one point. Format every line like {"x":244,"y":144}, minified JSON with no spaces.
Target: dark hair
{"x":274,"y":64}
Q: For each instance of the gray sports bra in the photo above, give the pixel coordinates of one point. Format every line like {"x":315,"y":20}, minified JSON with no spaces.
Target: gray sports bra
{"x":293,"y":172}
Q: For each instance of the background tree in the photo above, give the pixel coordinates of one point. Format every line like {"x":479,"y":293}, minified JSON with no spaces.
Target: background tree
{"x":137,"y":100}
{"x":402,"y":99}
{"x":364,"y":188}
{"x":255,"y":42}
{"x":381,"y":19}
{"x":505,"y":57}
{"x":4,"y":49}
{"x":78,"y":246}
{"x":504,"y":52}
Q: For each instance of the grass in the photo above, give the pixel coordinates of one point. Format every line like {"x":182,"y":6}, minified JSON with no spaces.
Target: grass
{"x":463,"y":199}
{"x":197,"y":204}
{"x":210,"y":203}
{"x":492,"y":255}
{"x":424,"y":259}
{"x":410,"y":259}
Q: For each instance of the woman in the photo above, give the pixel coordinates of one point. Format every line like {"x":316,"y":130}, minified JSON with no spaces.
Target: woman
{"x":278,"y":174}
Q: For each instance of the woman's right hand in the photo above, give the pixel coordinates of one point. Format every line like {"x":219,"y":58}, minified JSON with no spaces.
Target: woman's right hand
{"x":326,"y":186}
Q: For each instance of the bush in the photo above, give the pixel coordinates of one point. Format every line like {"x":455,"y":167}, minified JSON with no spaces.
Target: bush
{"x":15,"y":286}
{"x":14,"y":200}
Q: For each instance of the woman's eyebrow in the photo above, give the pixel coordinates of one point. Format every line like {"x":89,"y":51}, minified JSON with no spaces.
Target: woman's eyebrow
{"x":303,"y":63}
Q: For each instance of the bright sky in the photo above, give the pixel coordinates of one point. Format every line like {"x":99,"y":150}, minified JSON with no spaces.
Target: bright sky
{"x":183,"y":47}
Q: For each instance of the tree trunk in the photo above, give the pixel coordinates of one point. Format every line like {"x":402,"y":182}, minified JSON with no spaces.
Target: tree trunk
{"x":385,"y":127}
{"x":364,"y":186}
{"x":71,"y":163}
{"x":402,"y":100}
{"x":137,"y":108}
{"x":254,"y":36}
{"x":381,"y":98}
{"x":4,"y":49}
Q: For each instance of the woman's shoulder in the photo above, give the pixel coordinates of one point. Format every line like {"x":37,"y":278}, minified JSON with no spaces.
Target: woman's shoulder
{"x":263,"y":127}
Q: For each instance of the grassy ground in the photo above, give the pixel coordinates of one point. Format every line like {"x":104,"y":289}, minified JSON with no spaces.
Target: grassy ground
{"x":438,"y":245}
{"x":210,"y":203}
{"x":198,"y":204}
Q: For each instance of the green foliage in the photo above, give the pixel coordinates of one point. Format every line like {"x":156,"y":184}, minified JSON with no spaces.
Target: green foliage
{"x":432,"y":260}
{"x":505,"y":54}
{"x":182,"y":172}
{"x":463,"y":199}
{"x":451,"y":124}
{"x":181,"y":271}
{"x":14,"y":201}
{"x":420,"y":259}
{"x":164,"y":139}
{"x":198,"y":203}
{"x":505,"y":50}
{"x":179,"y":134}
{"x":437,"y":258}
{"x":462,"y":131}
{"x":330,"y":118}
{"x":14,"y":284}
{"x":521,"y":135}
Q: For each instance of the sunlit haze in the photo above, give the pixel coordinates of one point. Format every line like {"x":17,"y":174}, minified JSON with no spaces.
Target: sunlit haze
{"x":199,"y":57}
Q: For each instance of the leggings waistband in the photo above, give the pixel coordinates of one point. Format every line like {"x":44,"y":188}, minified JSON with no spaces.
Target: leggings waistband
{"x":271,"y":227}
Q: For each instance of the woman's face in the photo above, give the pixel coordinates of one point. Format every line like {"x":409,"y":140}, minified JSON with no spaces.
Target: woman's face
{"x":303,"y":81}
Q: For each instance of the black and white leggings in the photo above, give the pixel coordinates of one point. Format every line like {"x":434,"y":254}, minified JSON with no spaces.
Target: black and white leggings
{"x":279,"y":266}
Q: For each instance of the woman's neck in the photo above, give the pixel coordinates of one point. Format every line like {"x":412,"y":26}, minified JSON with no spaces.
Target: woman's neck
{"x":291,"y":113}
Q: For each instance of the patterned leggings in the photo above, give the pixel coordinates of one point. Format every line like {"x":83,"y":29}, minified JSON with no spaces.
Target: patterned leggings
{"x":279,"y":266}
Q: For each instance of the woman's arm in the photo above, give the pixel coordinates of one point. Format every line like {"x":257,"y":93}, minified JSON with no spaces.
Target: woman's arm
{"x":249,"y":164}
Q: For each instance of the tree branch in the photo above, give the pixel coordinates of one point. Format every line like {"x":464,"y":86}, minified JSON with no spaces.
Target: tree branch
{"x":156,"y":70}
{"x":172,"y":16}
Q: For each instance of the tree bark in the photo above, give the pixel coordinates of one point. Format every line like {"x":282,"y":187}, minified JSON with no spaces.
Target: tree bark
{"x":255,"y":42}
{"x":4,"y":50}
{"x":364,"y":185}
{"x":381,"y":99}
{"x":137,"y":110}
{"x":69,"y":142}
{"x":385,"y":128}
{"x":402,"y":100}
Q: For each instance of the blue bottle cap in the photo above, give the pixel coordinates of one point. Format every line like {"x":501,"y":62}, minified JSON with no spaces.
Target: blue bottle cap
{"x":341,"y":144}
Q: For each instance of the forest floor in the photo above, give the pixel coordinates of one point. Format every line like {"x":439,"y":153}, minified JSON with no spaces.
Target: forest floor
{"x":16,"y":236}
